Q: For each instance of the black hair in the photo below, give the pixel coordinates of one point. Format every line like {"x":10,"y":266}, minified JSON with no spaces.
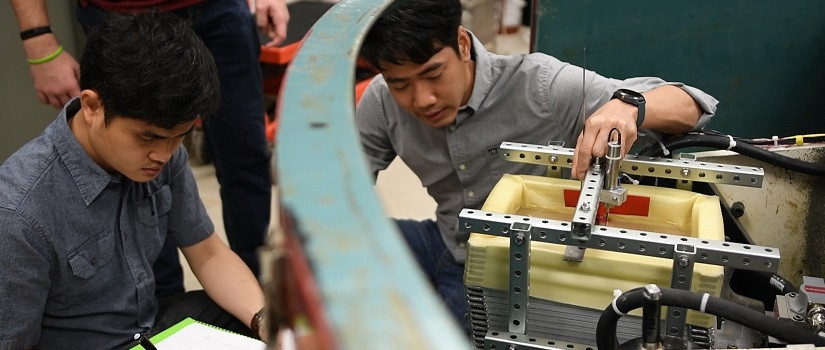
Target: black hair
{"x":413,"y":31}
{"x":150,"y":67}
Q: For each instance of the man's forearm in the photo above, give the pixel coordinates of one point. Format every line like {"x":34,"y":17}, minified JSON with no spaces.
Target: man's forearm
{"x":225,"y":278}
{"x":30,"y":13}
{"x":671,"y":110}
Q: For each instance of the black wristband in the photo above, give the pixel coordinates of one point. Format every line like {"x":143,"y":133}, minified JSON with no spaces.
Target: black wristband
{"x":31,"y":33}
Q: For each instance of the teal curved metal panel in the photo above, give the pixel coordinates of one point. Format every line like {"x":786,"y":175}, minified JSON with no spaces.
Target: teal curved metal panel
{"x":373,"y":291}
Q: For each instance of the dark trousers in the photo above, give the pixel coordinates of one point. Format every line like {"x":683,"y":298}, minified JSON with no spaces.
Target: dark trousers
{"x":197,"y":305}
{"x":439,"y":265}
{"x":235,"y":135}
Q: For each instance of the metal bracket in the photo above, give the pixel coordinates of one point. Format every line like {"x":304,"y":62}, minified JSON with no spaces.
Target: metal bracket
{"x":503,"y":341}
{"x":682,"y":279}
{"x":614,"y":197}
{"x":588,"y":205}
{"x":519,"y":287}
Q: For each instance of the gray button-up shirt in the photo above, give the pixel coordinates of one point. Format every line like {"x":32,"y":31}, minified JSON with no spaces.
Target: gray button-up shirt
{"x":533,"y":98}
{"x":77,"y":243}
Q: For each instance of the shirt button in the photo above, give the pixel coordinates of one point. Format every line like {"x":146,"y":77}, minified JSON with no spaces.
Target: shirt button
{"x":462,"y":167}
{"x":471,"y":194}
{"x":452,"y":128}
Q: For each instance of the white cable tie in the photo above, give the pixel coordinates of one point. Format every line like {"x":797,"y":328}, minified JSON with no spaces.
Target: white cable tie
{"x":704,"y":303}
{"x":616,"y":308}
{"x":775,"y":140}
{"x":732,"y":143}
{"x":632,"y":180}
{"x":665,"y":152}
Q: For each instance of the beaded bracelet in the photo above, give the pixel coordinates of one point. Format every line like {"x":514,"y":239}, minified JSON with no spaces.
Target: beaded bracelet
{"x":47,"y":58}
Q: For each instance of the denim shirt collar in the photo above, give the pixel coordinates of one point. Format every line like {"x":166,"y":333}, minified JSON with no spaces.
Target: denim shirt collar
{"x":89,"y":177}
{"x":482,"y":82}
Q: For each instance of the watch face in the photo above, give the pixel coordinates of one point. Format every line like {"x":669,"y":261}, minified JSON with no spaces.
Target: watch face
{"x":629,"y":96}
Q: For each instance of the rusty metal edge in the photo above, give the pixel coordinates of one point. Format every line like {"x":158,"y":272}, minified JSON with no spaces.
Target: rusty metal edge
{"x":372,"y":289}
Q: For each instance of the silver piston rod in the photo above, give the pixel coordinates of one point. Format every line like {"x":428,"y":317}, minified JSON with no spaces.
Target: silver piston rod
{"x":613,"y":194}
{"x":614,"y":161}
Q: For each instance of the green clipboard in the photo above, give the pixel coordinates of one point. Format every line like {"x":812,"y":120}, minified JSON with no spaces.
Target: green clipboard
{"x":174,"y":329}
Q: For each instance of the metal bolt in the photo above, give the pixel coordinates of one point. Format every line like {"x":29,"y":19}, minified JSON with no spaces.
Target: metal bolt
{"x":685,"y":171}
{"x":519,"y":238}
{"x":585,"y":207}
{"x":553,"y":159}
{"x":683,"y":261}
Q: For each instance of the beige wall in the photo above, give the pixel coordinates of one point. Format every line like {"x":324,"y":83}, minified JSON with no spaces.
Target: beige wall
{"x":22,"y":116}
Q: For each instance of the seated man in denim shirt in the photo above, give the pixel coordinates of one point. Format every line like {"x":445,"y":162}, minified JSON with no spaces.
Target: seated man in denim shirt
{"x":86,"y":206}
{"x":444,"y":104}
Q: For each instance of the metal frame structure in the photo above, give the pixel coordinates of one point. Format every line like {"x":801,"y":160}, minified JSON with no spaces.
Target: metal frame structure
{"x":684,"y":251}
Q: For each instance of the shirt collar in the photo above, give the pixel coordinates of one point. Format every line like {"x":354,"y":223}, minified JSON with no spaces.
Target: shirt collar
{"x":482,"y":81}
{"x":90,"y":178}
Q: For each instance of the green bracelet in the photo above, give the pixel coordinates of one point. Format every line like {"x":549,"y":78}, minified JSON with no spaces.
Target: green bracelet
{"x":47,"y":58}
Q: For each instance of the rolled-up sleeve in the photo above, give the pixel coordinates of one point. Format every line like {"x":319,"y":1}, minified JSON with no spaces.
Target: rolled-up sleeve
{"x":705,"y":101}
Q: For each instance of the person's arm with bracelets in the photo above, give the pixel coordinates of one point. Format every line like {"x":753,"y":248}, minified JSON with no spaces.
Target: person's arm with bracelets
{"x":54,"y":71}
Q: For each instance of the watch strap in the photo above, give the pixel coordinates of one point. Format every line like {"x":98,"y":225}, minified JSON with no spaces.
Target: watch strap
{"x":633,"y":98}
{"x":640,"y":114}
{"x":257,"y":320}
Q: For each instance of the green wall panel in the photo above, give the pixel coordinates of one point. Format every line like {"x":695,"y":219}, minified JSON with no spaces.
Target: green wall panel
{"x":763,"y":60}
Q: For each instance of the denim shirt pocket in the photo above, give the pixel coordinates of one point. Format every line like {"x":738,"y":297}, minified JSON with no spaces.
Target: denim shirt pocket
{"x":92,"y":254}
{"x":153,"y":216}
{"x":495,"y":163}
{"x":86,"y":264}
{"x":154,"y":208}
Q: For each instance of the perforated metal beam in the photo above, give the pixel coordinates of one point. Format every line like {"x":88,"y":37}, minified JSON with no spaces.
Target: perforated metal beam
{"x":677,"y":169}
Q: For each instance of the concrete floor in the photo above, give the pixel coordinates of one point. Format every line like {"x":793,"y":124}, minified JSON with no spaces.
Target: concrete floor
{"x":398,"y":187}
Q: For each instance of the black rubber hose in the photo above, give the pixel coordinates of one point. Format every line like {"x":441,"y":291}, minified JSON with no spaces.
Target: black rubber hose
{"x":780,"y":283}
{"x":743,"y":148}
{"x":633,"y":299}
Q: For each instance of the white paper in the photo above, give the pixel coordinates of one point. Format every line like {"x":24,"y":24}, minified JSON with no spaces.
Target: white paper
{"x":198,"y":336}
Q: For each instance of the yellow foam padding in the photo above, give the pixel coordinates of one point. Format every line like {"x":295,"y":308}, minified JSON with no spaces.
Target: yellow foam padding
{"x":591,"y":283}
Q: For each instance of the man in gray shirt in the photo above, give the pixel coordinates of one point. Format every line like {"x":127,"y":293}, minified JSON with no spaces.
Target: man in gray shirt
{"x":443,"y":104}
{"x":86,"y":206}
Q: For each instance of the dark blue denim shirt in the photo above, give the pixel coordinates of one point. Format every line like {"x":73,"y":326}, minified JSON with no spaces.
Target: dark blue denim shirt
{"x":77,"y":243}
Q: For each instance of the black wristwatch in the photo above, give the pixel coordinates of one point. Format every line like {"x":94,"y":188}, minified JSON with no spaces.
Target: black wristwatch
{"x":634,"y":98}
{"x":256,"y":323}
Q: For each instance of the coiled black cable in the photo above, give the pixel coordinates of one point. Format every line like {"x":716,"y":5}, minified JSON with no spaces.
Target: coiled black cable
{"x":634,"y":298}
{"x":743,"y":148}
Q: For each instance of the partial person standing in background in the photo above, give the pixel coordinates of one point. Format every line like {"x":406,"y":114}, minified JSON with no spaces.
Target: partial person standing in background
{"x":234,"y":135}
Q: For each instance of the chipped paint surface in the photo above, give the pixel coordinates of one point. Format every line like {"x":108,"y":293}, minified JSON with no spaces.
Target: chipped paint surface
{"x":372,"y":289}
{"x":786,"y":213}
